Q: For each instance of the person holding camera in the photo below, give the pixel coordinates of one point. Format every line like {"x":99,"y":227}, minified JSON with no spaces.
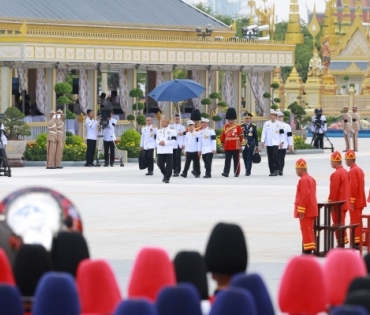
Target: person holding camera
{"x":318,"y":128}
{"x":91,"y":137}
{"x":3,"y":142}
{"x":109,"y":136}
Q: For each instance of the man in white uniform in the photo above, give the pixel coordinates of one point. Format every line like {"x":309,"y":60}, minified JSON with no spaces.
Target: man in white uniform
{"x":148,"y":143}
{"x":287,"y":142}
{"x":178,"y":146}
{"x":166,"y":138}
{"x":272,"y":138}
{"x":91,"y":137}
{"x":191,"y":150}
{"x":207,"y":146}
{"x":109,"y":136}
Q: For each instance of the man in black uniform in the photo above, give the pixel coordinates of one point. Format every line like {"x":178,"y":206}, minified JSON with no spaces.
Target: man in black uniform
{"x":251,"y":143}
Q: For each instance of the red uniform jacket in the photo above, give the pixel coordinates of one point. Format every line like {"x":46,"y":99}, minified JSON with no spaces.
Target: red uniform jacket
{"x":357,"y":182}
{"x":340,"y":187}
{"x":232,"y":137}
{"x":305,"y":198}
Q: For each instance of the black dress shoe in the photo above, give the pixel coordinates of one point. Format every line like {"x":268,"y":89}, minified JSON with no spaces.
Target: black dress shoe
{"x":236,"y":175}
{"x":225,"y":175}
{"x":206,"y":176}
{"x":112,"y":165}
{"x":149,"y":173}
{"x":167,"y":181}
{"x":272,"y":174}
{"x":197,"y":176}
{"x":59,"y":167}
{"x":248,"y":174}
{"x":175,"y":174}
{"x":50,"y":168}
{"x":281,"y":173}
{"x":183,"y":175}
{"x":106,"y":165}
{"x":193,"y":172}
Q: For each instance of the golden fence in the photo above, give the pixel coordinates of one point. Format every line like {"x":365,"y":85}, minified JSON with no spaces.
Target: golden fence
{"x":332,"y":105}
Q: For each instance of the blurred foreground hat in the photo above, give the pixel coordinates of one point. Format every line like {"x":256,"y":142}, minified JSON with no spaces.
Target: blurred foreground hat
{"x":190,"y":267}
{"x":226,"y":251}
{"x":231,"y":113}
{"x":190,"y":122}
{"x":152,"y":271}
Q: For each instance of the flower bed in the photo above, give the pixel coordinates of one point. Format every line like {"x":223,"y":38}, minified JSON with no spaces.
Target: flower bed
{"x":130,"y":142}
{"x":74,"y":149}
{"x":299,"y":143}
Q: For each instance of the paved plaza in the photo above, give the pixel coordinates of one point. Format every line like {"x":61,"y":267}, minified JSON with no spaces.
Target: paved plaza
{"x":123,"y":210}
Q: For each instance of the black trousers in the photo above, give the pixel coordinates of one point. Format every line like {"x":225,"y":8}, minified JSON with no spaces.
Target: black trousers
{"x":248,"y":157}
{"x":164,"y":162}
{"x":273,"y":158}
{"x":90,"y":151}
{"x":207,"y":159}
{"x":234,"y":154}
{"x":149,"y":154}
{"x":192,"y":156}
{"x":109,"y":148}
{"x":281,"y":154}
{"x":319,"y":141}
{"x":176,"y":161}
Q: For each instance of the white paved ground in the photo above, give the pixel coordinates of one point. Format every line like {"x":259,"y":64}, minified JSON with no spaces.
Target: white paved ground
{"x":124,"y":210}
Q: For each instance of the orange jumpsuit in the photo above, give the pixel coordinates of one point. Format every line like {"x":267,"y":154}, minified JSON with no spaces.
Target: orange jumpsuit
{"x":340,"y":190}
{"x":231,"y":138}
{"x":306,"y":203}
{"x":358,"y":199}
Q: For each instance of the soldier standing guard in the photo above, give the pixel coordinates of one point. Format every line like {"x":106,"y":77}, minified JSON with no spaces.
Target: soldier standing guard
{"x":251,"y":143}
{"x":355,"y":127}
{"x":347,"y":128}
{"x":231,"y":138}
{"x":51,"y":144}
{"x":60,"y":139}
{"x":357,"y":191}
{"x":305,"y":206}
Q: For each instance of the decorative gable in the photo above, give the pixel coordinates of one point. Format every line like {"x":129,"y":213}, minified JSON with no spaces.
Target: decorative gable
{"x":356,"y":46}
{"x":353,"y":68}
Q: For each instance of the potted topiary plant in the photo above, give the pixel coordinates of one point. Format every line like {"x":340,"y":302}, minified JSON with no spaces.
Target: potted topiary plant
{"x":298,"y":112}
{"x":274,"y":101}
{"x":16,"y":129}
{"x":206,"y":102}
{"x":135,"y":94}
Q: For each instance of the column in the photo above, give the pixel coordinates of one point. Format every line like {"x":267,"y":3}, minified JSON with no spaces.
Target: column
{"x":131,"y":83}
{"x":168,"y":112}
{"x":93,"y":89}
{"x":267,"y":80}
{"x":104,"y":82}
{"x":50,"y":78}
{"x":6,"y":94}
{"x":237,"y":93}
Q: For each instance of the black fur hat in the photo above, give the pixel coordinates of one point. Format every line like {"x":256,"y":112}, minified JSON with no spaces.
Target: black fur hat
{"x":231,"y":113}
{"x":190,"y":267}
{"x":226,"y":251}
{"x":195,"y":114}
{"x":361,"y":283}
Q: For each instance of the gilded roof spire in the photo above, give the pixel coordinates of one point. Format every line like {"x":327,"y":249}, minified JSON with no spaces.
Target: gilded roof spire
{"x":294,"y":35}
{"x":251,"y":3}
{"x":358,"y":10}
{"x":330,"y":21}
{"x":346,"y":17}
{"x":23,"y":29}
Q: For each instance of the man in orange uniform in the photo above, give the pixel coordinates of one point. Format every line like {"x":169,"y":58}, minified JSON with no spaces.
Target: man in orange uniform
{"x":339,"y":190}
{"x":231,"y":138}
{"x":357,"y":189}
{"x":305,"y":206}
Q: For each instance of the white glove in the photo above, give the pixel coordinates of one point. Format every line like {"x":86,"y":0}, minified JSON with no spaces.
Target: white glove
{"x":55,"y":116}
{"x":58,"y":116}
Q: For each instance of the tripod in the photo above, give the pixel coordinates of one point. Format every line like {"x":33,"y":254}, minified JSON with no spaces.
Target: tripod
{"x":319,"y":137}
{"x":100,"y":149}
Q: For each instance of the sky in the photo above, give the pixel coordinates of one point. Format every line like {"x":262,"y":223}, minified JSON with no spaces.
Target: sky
{"x":282,"y":7}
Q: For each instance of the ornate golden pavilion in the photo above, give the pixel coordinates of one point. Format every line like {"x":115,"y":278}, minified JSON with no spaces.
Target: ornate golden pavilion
{"x":41,"y":40}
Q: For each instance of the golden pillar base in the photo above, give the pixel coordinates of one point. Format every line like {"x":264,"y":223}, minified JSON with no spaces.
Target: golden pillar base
{"x":314,"y":88}
{"x":330,"y":84}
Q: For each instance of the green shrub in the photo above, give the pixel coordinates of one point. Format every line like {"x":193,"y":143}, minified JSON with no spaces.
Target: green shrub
{"x":222,"y":104}
{"x":130,"y":141}
{"x":259,"y":133}
{"x":206,"y":101}
{"x":130,"y":117}
{"x":300,"y":144}
{"x":140,"y":106}
{"x":204,"y":115}
{"x":218,"y":131}
{"x":141,"y":120}
{"x":63,"y":88}
{"x":70,"y":115}
{"x":216,"y":118}
{"x":14,"y":125}
{"x":41,"y":139}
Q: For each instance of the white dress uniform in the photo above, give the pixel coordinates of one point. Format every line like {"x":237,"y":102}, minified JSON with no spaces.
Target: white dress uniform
{"x":148,"y":143}
{"x":207,"y":144}
{"x":177,"y":147}
{"x":165,"y":153}
{"x":287,"y":141}
{"x":191,"y":142}
{"x":272,"y":137}
{"x":109,"y":136}
{"x":148,"y":137}
{"x":91,"y":137}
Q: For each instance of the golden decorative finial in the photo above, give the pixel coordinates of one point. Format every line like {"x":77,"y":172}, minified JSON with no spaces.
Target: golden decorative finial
{"x":314,"y":26}
{"x":23,"y":29}
{"x":251,"y":3}
{"x":294,"y":35}
{"x":358,"y":11}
